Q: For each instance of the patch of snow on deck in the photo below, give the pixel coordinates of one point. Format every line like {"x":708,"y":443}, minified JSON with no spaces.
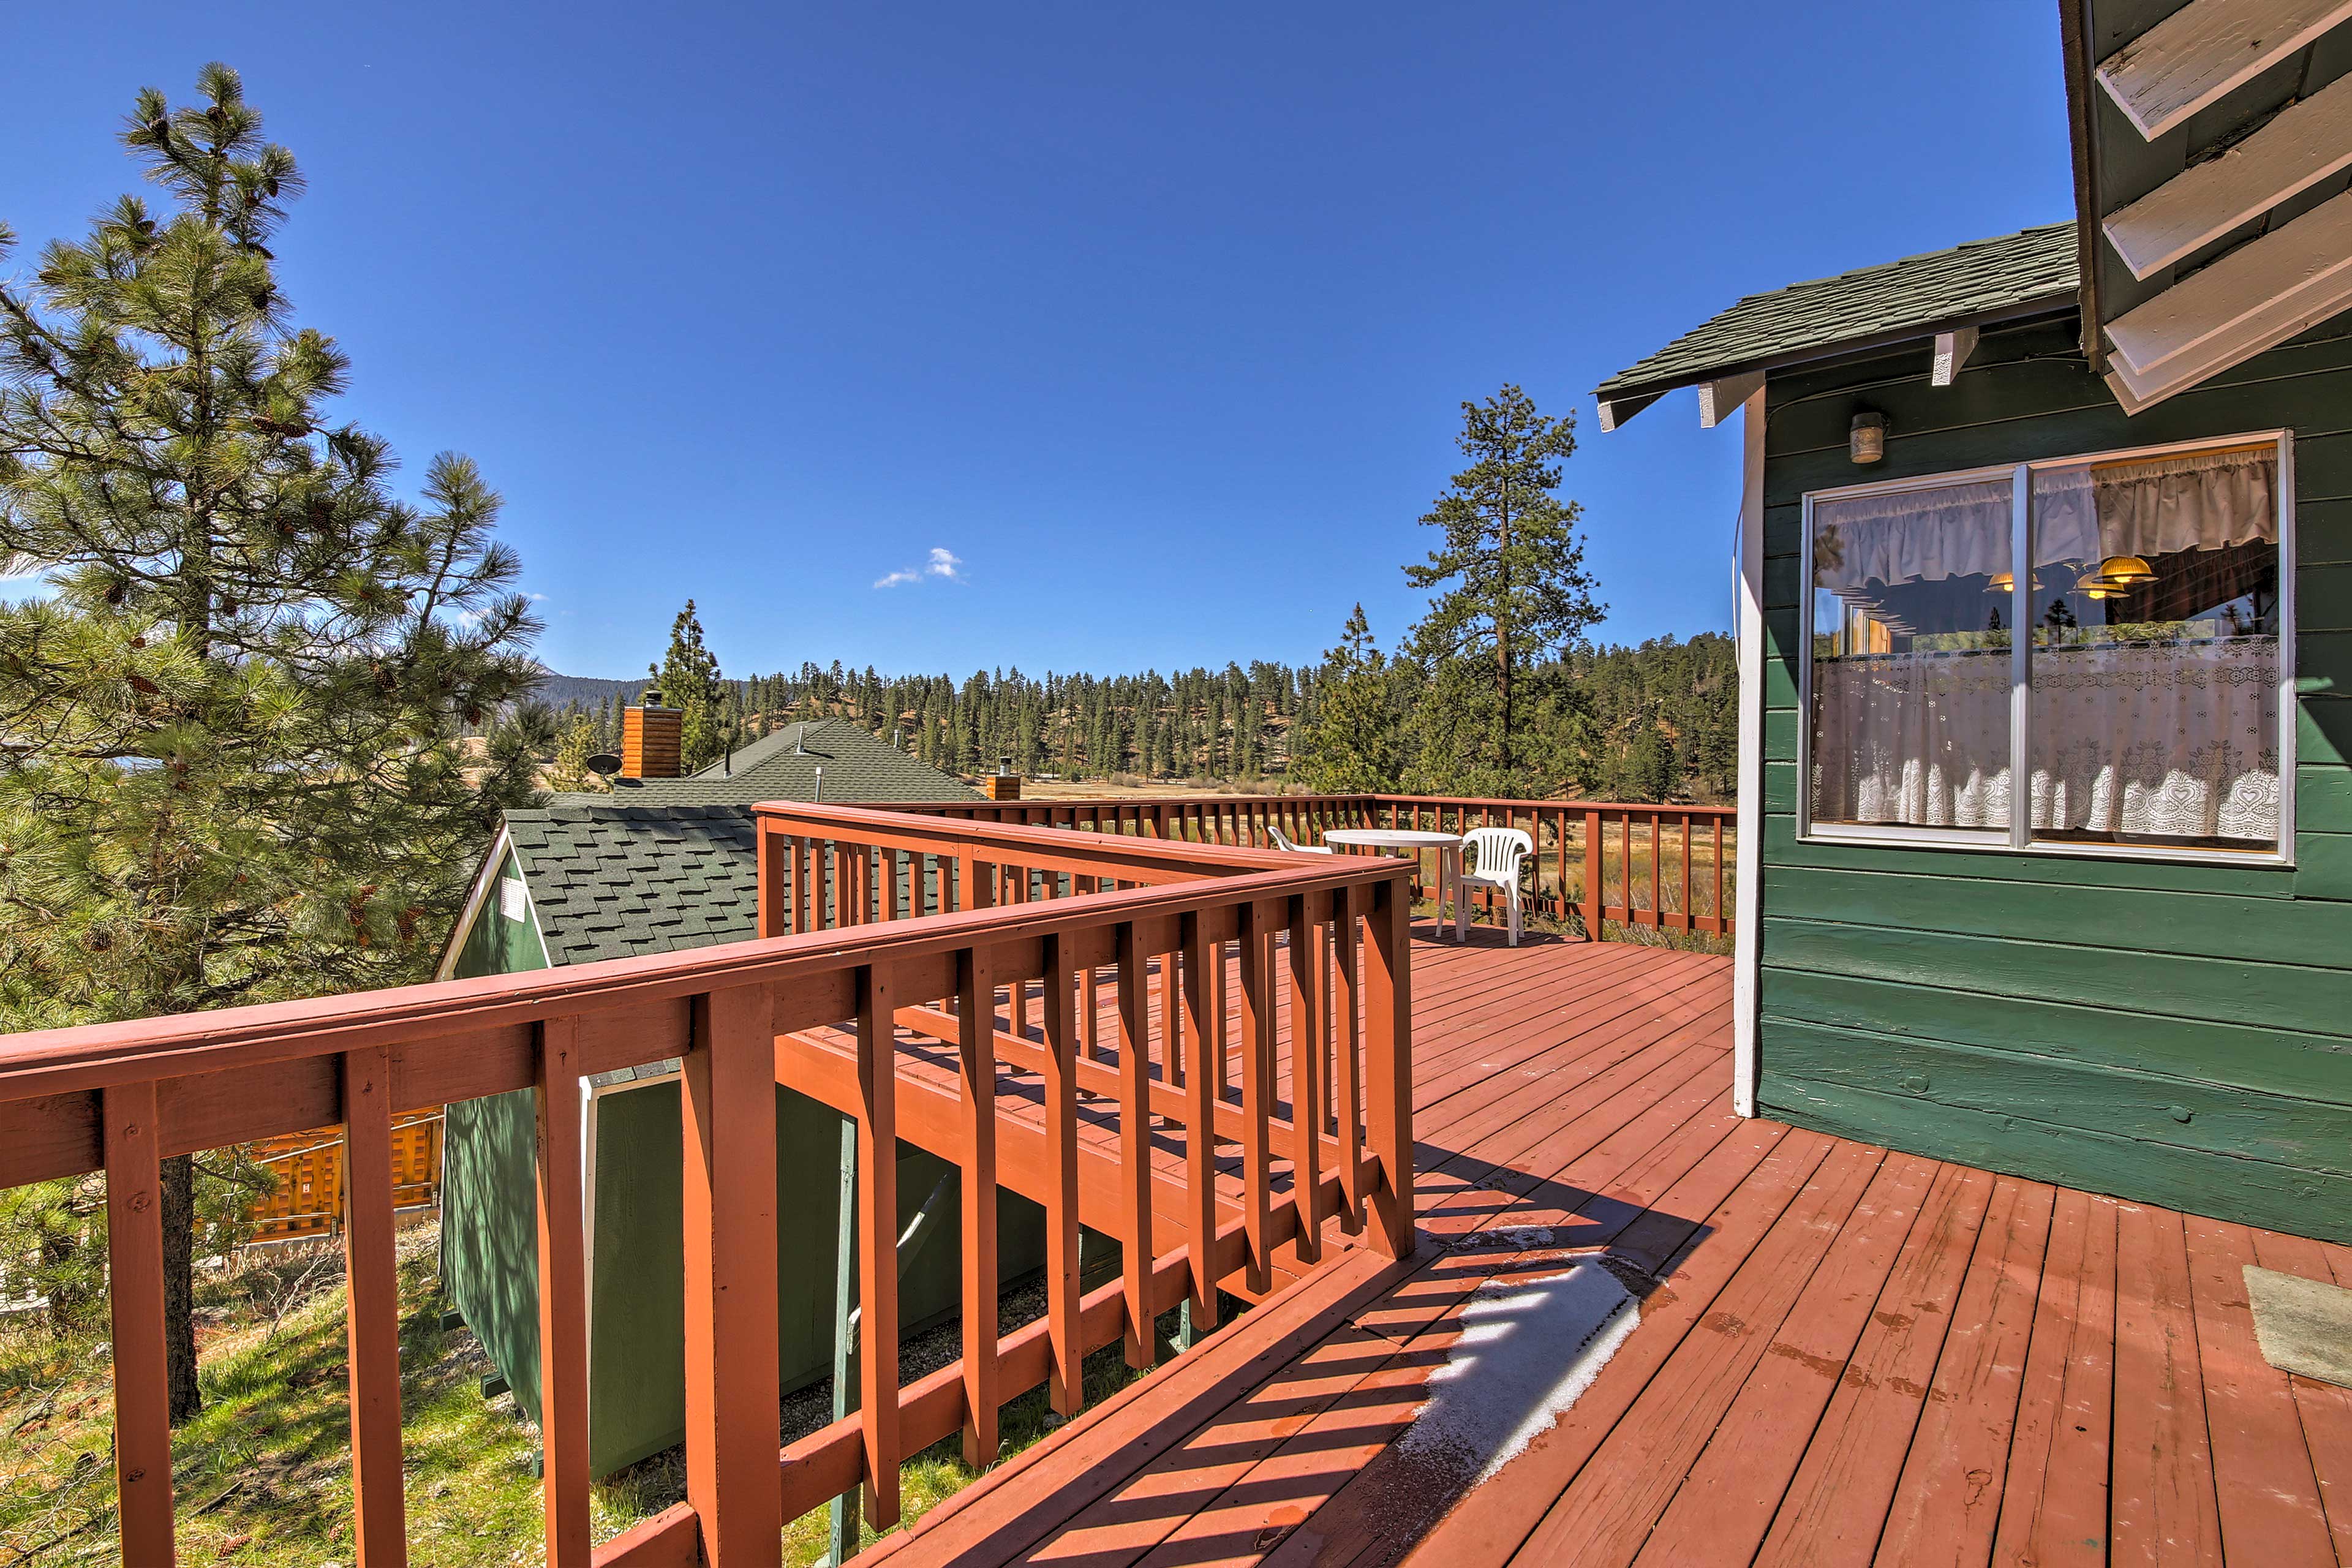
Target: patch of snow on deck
{"x":1528,"y":1349}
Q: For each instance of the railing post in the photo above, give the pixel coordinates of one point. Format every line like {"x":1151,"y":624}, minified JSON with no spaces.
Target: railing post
{"x":1306,"y":1075}
{"x":135,"y":1249}
{"x":1593,"y":871}
{"x":729,"y":1105}
{"x":562,"y":1285}
{"x":1388,"y":1019}
{"x":1257,"y":927}
{"x":372,"y":1315}
{"x":1346,"y":1090}
{"x":1205,"y":1037}
{"x":1135,"y":1147}
{"x":877,"y":1248}
{"x":1065,"y":1387}
{"x":976,"y":1022}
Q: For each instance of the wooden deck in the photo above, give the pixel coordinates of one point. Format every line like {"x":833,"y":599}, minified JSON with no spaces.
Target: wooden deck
{"x":1641,"y":1329}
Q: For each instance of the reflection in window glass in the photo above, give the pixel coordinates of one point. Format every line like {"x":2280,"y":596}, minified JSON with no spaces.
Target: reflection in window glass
{"x":2154,"y":669}
{"x":1911,"y":657}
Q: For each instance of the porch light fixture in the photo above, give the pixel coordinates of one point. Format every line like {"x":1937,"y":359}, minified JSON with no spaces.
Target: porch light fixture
{"x":1867,"y":441}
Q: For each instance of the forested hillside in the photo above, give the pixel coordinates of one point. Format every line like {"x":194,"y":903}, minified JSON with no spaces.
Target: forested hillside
{"x":1652,"y":723}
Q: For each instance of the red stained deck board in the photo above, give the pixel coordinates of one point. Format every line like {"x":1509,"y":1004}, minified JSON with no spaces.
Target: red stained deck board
{"x":1571,"y":1097}
{"x":1734,"y":1487}
{"x":2163,"y":1507}
{"x":1948,"y":1503}
{"x":2271,"y":1512}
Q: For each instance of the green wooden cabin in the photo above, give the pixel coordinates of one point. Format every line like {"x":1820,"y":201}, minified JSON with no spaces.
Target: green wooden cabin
{"x":2077,"y":905}
{"x":658,"y":864}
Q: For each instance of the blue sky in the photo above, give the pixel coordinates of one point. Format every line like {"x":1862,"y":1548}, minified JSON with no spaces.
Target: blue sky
{"x":1149,"y":325}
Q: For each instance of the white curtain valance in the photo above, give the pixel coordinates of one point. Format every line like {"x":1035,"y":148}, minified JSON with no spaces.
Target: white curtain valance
{"x":2204,"y":501}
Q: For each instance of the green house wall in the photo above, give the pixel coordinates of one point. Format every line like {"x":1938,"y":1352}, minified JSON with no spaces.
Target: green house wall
{"x":636,"y":1381}
{"x":2176,"y":1033}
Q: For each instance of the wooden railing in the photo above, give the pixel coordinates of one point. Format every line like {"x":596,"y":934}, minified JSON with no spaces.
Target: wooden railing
{"x":305,"y":1174}
{"x":821,"y":1000}
{"x":1664,"y":867}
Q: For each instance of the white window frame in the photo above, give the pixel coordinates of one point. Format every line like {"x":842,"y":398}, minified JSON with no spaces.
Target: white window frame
{"x":2019,"y":839}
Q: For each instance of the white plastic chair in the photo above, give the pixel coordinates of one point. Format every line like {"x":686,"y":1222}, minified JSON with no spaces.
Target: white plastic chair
{"x":1282,"y":841}
{"x":1491,"y":857}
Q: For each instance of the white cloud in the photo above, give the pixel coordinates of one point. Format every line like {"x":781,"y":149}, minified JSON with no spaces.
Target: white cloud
{"x":941,"y":562}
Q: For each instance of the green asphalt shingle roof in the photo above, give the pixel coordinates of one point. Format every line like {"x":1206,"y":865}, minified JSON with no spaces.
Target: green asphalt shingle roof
{"x":1984,"y":278}
{"x":858,"y":766}
{"x":662,"y":863}
{"x":614,"y":881}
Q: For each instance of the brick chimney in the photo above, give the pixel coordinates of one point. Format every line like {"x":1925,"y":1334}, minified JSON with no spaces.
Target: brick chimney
{"x":1003,"y":783}
{"x":650,"y":740}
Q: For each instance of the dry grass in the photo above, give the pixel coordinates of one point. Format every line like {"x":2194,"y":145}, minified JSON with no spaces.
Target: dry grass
{"x":263,"y":1474}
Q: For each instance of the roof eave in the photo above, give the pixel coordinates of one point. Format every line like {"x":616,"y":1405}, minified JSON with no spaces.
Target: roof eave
{"x":1648,"y":392}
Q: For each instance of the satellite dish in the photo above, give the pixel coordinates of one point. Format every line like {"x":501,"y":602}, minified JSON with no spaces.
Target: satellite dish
{"x":605,"y":764}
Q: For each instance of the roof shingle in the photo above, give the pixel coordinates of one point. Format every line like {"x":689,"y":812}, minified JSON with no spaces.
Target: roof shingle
{"x":1919,"y":293}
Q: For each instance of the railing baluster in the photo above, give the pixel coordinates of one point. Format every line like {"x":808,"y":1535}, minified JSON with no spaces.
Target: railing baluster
{"x":372,"y":1316}
{"x":563,"y":1292}
{"x":729,"y":1107}
{"x":1258,"y":922}
{"x":1722,"y":915}
{"x":1205,"y":1037}
{"x":878,"y":1249}
{"x":1388,"y":1030}
{"x":1595,"y":911}
{"x":1171,"y":1051}
{"x":976,"y":1016}
{"x":801,"y":889}
{"x":1689,"y":922}
{"x":1306,"y":1075}
{"x":134,"y":1259}
{"x":1135,"y":1147}
{"x":1347,"y":1088}
{"x":1066,"y":1388}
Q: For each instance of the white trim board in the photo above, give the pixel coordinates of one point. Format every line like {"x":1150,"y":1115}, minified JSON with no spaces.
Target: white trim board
{"x":2194,"y":57}
{"x":2303,"y":266}
{"x":2302,"y":145}
{"x":1747,"y":902}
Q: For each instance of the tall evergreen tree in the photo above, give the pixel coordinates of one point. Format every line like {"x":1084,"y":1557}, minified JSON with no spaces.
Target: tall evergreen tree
{"x":1356,"y":742}
{"x":688,"y":677}
{"x":230,"y":770}
{"x":1513,"y":592}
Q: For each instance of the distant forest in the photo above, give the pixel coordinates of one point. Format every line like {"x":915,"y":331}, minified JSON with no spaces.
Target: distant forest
{"x":1654,"y":722}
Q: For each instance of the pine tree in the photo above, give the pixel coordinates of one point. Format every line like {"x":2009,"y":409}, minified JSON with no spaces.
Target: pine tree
{"x":1514,"y":592}
{"x":235,"y":774}
{"x":1356,"y":743}
{"x":688,"y":678}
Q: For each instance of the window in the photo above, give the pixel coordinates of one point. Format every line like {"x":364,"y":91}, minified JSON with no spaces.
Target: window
{"x":2149,"y":700}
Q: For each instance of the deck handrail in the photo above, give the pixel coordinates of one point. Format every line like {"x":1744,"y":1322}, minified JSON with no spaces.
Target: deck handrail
{"x":743,"y":1017}
{"x":1671,"y":868}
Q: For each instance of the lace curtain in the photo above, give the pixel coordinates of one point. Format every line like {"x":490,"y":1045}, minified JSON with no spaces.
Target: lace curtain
{"x":2178,"y":740}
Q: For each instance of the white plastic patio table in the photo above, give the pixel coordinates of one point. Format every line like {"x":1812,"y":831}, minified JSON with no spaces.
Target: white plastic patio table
{"x":1449,"y":861}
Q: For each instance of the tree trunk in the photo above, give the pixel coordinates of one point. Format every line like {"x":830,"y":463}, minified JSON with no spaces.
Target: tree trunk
{"x":179,"y":1219}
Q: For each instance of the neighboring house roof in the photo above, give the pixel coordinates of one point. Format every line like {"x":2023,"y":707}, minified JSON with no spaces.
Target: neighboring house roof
{"x":2026,"y":273}
{"x":661,"y":864}
{"x":617,"y":880}
{"x":858,"y":766}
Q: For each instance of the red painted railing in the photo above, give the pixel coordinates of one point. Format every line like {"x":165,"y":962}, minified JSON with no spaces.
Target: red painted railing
{"x":1664,"y":867}
{"x":822,"y":999}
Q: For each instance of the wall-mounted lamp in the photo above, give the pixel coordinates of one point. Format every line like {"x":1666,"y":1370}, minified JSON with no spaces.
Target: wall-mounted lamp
{"x":1866,"y":442}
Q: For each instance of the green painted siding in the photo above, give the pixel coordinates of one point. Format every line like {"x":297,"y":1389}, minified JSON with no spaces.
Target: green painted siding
{"x":2177,"y":1033}
{"x":636,"y":1400}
